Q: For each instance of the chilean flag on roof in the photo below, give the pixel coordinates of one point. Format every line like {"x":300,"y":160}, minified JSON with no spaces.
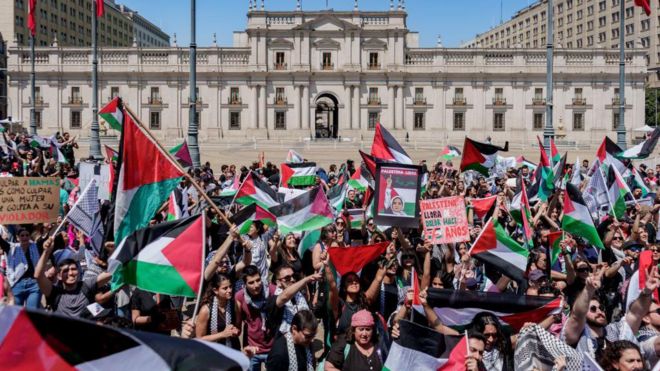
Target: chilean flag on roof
{"x":385,"y":147}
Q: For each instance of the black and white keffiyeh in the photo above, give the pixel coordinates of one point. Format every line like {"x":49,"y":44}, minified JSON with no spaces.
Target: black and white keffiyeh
{"x":293,"y":359}
{"x":537,"y":349}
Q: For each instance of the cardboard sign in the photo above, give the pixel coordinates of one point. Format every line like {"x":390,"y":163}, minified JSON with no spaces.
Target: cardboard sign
{"x":100,"y":172}
{"x":445,"y":220}
{"x":29,"y":200}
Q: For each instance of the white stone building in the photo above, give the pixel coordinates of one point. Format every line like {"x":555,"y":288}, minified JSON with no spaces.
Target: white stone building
{"x":301,"y":74}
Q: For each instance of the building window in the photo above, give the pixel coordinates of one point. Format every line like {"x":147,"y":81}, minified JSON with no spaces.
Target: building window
{"x":373,"y":96}
{"x":75,"y":95}
{"x":373,"y":61}
{"x":114,"y":92}
{"x":498,"y":121}
{"x":459,"y":121}
{"x":234,"y":120}
{"x":280,"y":98}
{"x":615,"y":120}
{"x":154,"y":120}
{"x":579,"y":100}
{"x":280,"y":120}
{"x":327,"y":61}
{"x":75,"y":120}
{"x":154,"y":96}
{"x":279,"y":61}
{"x":459,"y":99}
{"x":374,"y":118}
{"x":37,"y":118}
{"x":419,"y":121}
{"x":538,"y":121}
{"x":578,"y":121}
{"x":419,"y":96}
{"x":499,"y":97}
{"x":234,"y":96}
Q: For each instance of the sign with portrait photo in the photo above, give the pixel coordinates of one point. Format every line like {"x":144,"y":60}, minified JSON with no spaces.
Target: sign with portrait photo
{"x":397,"y":194}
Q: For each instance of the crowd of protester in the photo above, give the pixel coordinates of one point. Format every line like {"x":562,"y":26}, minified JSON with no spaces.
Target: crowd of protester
{"x":287,"y":312}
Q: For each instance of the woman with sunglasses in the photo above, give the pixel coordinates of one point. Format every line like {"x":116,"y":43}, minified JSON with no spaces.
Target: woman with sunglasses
{"x":343,"y":235}
{"x":498,"y":352}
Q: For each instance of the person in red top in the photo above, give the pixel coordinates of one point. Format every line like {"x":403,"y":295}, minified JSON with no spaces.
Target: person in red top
{"x":251,"y":309}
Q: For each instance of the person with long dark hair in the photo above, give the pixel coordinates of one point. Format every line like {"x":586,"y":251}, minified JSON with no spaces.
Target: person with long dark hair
{"x":498,"y":353}
{"x":622,"y":355}
{"x":216,"y":320}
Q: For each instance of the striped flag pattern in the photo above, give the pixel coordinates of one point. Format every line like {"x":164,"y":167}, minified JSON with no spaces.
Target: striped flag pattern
{"x":84,"y":215}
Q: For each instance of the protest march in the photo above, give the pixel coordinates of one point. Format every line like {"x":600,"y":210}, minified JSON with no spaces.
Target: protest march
{"x":482,"y":260}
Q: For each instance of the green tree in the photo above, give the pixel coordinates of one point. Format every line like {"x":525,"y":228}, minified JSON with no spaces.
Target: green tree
{"x":652,"y":115}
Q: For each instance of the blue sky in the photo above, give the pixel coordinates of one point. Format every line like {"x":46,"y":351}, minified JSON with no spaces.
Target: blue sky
{"x":455,"y":20}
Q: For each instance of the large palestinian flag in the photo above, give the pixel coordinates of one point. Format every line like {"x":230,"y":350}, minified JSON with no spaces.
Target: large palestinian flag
{"x":309,"y":211}
{"x":554,"y":153}
{"x":494,"y":246}
{"x":617,"y":190}
{"x":483,"y":206}
{"x":337,"y":195}
{"x":39,"y":340}
{"x":361,"y":179}
{"x":422,"y":348}
{"x":607,"y":155}
{"x":456,"y":309}
{"x":353,"y":259}
{"x":250,"y":214}
{"x":449,"y":152}
{"x":113,"y":113}
{"x":146,"y":178}
{"x":165,"y":258}
{"x":301,"y":174}
{"x":480,"y":157}
{"x":554,"y":240}
{"x":547,"y":178}
{"x":255,"y":190}
{"x":577,"y":219}
{"x":642,"y":150}
{"x":386,"y":148}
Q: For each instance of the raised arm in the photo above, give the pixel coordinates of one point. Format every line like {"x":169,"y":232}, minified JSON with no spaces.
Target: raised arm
{"x":578,"y":317}
{"x":45,"y":285}
{"x":640,"y":307}
{"x":290,"y":291}
{"x":220,"y":254}
{"x":374,"y":288}
{"x":426,"y":269}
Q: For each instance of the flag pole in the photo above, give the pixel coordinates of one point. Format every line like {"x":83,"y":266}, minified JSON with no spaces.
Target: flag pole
{"x":199,"y":189}
{"x":201,"y":279}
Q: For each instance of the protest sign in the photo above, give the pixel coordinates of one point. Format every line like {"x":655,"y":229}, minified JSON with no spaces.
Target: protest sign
{"x":29,"y":200}
{"x":397,"y":194}
{"x":445,"y":220}
{"x":100,"y":172}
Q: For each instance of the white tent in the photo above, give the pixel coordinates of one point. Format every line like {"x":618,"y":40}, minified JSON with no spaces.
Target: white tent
{"x":645,"y":128}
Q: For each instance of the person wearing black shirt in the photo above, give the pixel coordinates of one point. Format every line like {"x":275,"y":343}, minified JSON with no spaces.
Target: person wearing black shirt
{"x":293,"y":349}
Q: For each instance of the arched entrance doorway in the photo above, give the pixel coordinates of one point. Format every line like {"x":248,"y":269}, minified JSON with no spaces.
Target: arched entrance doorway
{"x":327,"y":117}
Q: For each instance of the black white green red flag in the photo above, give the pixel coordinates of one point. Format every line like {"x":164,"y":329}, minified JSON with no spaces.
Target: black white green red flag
{"x":494,"y":246}
{"x":255,"y":190}
{"x":577,"y":219}
{"x":309,"y":211}
{"x":480,"y":157}
{"x":113,"y":113}
{"x":250,"y":214}
{"x":386,"y":148}
{"x":301,"y":174}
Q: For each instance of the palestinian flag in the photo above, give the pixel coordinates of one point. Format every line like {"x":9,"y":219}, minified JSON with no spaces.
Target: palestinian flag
{"x":254,"y":190}
{"x":356,"y":218}
{"x":480,"y":157}
{"x":181,"y":152}
{"x":577,"y":219}
{"x":386,"y":148}
{"x":298,"y":175}
{"x":173,"y":208}
{"x":638,"y":279}
{"x":113,"y":113}
{"x":308,"y":240}
{"x":526,"y":216}
{"x":165,"y":258}
{"x":554,"y":153}
{"x":645,"y":5}
{"x":617,"y":190}
{"x":494,"y":246}
{"x":250,"y":214}
{"x":483,"y":206}
{"x":522,"y":161}
{"x":147,"y":176}
{"x":559,"y":171}
{"x":37,"y":141}
{"x":636,"y":181}
{"x":607,"y":153}
{"x":456,"y":309}
{"x":422,"y":348}
{"x":642,"y":150}
{"x":294,"y":157}
{"x":56,"y":154}
{"x":359,"y":181}
{"x":546,"y":186}
{"x":233,"y":188}
{"x":39,"y":340}
{"x":111,"y":155}
{"x":31,"y":22}
{"x":306,"y":212}
{"x":554,"y":240}
{"x":416,"y":300}
{"x":337,"y":195}
{"x":449,"y":153}
{"x":353,"y":259}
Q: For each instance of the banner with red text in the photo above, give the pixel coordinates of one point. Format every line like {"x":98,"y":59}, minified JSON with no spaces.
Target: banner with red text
{"x":29,"y":200}
{"x":445,"y":220}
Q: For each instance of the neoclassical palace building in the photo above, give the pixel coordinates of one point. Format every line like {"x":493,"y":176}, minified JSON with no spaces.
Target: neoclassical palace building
{"x":331,"y":74}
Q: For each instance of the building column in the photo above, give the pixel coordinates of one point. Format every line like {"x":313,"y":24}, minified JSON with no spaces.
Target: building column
{"x":392,"y":91}
{"x":356,"y":107}
{"x":262,"y":107}
{"x":254,"y":106}
{"x":349,"y":106}
{"x":400,"y":108}
{"x":299,"y":104}
{"x":305,"y":107}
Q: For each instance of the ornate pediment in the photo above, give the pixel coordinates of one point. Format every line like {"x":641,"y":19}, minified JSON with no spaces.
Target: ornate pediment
{"x":327,"y":23}
{"x":280,"y":44}
{"x":326,"y":43}
{"x":374,"y":44}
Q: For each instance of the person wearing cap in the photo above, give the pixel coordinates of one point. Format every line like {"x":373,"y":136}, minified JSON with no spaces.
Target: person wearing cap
{"x":358,"y":349}
{"x":71,"y":295}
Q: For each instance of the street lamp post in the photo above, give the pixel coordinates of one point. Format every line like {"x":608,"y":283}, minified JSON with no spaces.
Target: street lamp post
{"x":192,"y":126}
{"x":95,"y":140}
{"x":549,"y":131}
{"x":33,"y":89}
{"x":621,"y":127}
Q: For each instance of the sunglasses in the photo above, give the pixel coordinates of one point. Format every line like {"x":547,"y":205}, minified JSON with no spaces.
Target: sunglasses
{"x":584,"y":270}
{"x":340,"y":222}
{"x":617,"y":238}
{"x":309,"y":336}
{"x":594,"y":308}
{"x":407,"y":257}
